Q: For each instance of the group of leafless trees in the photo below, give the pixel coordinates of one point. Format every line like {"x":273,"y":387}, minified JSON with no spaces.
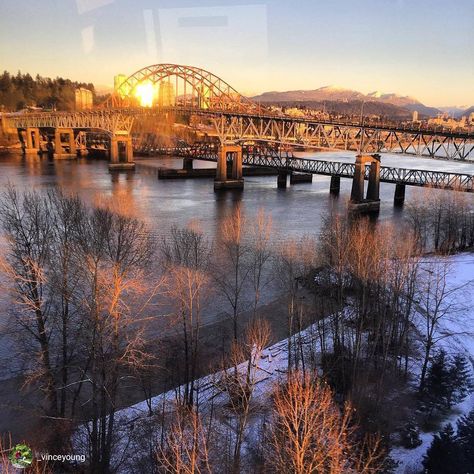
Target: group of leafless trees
{"x":78,"y":280}
{"x":441,"y":221}
{"x":360,"y":305}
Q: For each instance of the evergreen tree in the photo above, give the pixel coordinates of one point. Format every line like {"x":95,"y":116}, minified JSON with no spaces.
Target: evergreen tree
{"x":444,"y":454}
{"x":460,"y":380}
{"x":437,"y":389}
{"x":465,"y":436}
{"x":410,"y":436}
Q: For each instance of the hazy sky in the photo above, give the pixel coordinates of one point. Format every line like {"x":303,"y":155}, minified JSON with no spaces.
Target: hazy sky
{"x":423,"y":48}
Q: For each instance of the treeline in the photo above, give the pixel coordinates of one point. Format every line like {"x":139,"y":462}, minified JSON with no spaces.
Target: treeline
{"x":21,"y":90}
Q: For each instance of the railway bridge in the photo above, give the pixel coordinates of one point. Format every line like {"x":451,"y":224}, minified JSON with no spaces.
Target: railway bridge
{"x":366,"y":168}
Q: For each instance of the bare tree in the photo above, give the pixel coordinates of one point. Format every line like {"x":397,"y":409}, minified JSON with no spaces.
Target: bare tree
{"x":186,"y":259}
{"x":310,"y":434}
{"x":26,"y":221}
{"x":185,"y":449}
{"x":260,"y":253}
{"x":231,"y":263}
{"x":116,"y":251}
{"x":437,"y":302}
{"x":294,"y":261}
{"x":239,"y":382}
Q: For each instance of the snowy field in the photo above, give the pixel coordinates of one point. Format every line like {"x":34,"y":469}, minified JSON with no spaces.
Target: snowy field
{"x":270,"y":365}
{"x":461,"y":276}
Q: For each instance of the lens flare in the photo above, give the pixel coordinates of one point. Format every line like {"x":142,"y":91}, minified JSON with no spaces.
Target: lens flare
{"x":145,"y":93}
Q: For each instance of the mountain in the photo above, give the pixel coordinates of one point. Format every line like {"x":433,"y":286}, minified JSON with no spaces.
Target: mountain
{"x":402,"y":105}
{"x":394,"y":99}
{"x":467,"y":112}
{"x":405,"y":101}
{"x":321,"y":94}
{"x":454,"y":110}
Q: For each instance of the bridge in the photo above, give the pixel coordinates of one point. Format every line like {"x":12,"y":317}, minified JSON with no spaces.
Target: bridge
{"x":286,"y":163}
{"x":218,"y":110}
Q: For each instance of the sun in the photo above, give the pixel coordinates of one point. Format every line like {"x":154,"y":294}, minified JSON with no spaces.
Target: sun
{"x":145,"y":93}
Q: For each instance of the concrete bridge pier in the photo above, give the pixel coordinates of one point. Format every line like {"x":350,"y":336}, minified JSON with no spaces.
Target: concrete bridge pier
{"x":59,"y":151}
{"x":335,"y":186}
{"x":222,"y":181}
{"x":372,"y":202}
{"x":121,"y":153}
{"x":33,"y":140}
{"x":187,"y":164}
{"x":373,"y":189}
{"x":282,"y":179}
{"x":399,"y":198}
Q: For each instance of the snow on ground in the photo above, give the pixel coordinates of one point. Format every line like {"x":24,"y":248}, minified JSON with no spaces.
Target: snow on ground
{"x":461,"y":276}
{"x":271,"y":366}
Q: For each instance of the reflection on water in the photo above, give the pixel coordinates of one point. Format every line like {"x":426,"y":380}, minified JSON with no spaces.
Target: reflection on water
{"x":296,"y":210}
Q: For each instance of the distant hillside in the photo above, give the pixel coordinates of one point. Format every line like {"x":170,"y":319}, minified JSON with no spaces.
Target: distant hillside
{"x":388,"y":104}
{"x":454,"y":110}
{"x":331,"y":93}
{"x":21,"y":90}
{"x":354,"y":107}
{"x":467,"y":112}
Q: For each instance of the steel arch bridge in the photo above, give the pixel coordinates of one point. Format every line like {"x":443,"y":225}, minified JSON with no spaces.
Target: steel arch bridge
{"x":220,"y":111}
{"x":180,"y":85}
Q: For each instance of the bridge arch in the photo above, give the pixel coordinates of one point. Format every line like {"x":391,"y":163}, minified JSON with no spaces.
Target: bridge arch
{"x":188,"y":86}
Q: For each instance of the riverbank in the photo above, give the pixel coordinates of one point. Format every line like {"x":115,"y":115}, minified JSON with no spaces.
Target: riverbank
{"x":20,"y":406}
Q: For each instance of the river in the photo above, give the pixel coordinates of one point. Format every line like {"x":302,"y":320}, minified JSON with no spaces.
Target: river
{"x":295,"y":210}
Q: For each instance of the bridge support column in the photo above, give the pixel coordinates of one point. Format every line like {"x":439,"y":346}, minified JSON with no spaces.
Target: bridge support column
{"x":59,"y":151}
{"x":237,"y":164}
{"x":372,"y":203}
{"x":399,"y":198}
{"x":282,"y":179}
{"x":121,"y":153}
{"x":373,"y":189}
{"x":357,"y":191}
{"x":335,"y":186}
{"x":235,"y":181}
{"x":187,"y":164}
{"x":301,"y":178}
{"x":33,"y":140}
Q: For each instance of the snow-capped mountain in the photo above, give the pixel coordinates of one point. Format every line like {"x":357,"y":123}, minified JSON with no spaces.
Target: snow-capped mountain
{"x":340,"y":94}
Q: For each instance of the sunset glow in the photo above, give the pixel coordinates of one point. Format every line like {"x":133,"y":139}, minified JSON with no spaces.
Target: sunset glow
{"x":145,"y":92}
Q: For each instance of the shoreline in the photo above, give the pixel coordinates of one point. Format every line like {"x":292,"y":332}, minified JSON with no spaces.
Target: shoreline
{"x":21,"y":408}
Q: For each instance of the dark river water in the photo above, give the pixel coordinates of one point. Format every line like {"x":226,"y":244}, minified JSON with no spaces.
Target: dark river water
{"x":295,"y":210}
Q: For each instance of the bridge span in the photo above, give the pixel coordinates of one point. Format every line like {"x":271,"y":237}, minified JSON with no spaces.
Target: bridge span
{"x":286,"y":164}
{"x":236,"y":127}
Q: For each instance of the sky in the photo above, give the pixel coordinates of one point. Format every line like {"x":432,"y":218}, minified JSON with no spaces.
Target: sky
{"x":421,"y":48}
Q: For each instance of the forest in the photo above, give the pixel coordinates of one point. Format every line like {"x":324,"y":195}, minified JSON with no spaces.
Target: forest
{"x":21,"y":90}
{"x":364,"y":368}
